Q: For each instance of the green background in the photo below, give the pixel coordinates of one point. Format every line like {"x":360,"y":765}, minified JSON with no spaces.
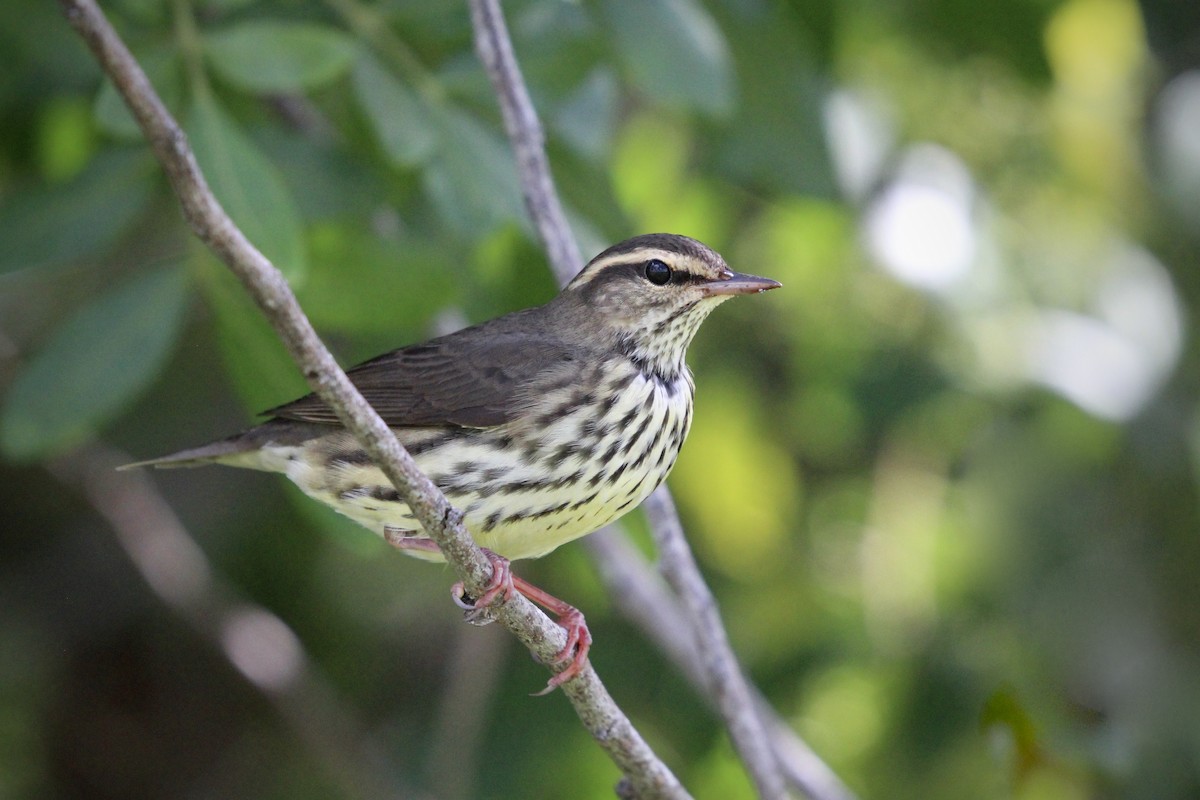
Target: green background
{"x":943,"y":483}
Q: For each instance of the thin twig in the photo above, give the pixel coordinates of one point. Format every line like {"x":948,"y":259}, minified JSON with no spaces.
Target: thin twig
{"x":494,"y":47}
{"x":643,"y":597}
{"x":724,"y":677}
{"x":596,"y":709}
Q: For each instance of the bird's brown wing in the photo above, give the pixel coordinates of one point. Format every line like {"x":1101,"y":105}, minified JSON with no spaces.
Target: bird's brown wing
{"x":477,"y":378}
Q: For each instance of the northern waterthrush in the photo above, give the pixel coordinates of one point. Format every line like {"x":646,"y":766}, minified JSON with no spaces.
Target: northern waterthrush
{"x":540,"y":426}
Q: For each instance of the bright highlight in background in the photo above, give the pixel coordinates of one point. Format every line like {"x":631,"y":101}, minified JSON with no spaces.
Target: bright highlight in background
{"x":1176,"y":133}
{"x":1108,"y":354}
{"x":920,"y":229}
{"x":263,"y":647}
{"x":1112,"y":362}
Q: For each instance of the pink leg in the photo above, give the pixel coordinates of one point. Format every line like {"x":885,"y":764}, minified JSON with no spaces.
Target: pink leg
{"x":579,"y":638}
{"x":500,"y":588}
{"x":403,"y":540}
{"x":500,"y":584}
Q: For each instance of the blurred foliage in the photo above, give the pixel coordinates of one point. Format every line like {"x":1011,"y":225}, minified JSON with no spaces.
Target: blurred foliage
{"x":944,"y":482}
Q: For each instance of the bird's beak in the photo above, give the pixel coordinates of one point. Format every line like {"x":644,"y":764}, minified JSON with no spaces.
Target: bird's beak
{"x":731,"y":283}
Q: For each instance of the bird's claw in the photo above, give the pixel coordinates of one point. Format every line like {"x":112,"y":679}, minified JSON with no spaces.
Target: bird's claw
{"x":502,"y":586}
{"x":575,"y":651}
{"x":499,"y":589}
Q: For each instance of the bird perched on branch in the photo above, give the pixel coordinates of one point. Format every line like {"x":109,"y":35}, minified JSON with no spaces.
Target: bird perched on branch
{"x":541,"y":426}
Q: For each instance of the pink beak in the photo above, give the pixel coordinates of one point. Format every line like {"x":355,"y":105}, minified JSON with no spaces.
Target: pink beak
{"x":731,"y":283}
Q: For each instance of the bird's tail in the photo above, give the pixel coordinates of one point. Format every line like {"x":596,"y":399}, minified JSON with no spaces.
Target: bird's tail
{"x":224,"y":451}
{"x":240,"y":450}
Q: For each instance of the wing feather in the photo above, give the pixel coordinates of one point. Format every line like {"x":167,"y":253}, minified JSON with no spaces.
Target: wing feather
{"x":476,"y":378}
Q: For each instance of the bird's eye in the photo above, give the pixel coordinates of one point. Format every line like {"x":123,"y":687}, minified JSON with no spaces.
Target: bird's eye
{"x":657,"y":272}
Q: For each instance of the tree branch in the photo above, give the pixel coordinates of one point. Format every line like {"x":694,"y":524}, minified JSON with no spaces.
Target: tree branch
{"x":494,"y":48}
{"x":724,"y":677}
{"x":643,"y":597}
{"x":266,"y":285}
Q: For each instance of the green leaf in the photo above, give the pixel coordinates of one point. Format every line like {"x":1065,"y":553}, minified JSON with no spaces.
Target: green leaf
{"x":472,"y":179}
{"x":209,"y":9}
{"x":113,"y":116}
{"x":248,"y":186}
{"x":778,"y":139}
{"x":259,"y":366}
{"x":145,"y":12}
{"x":93,"y":366}
{"x":327,"y":179}
{"x":52,"y":225}
{"x":1003,"y":712}
{"x":265,"y":56}
{"x":673,"y":51}
{"x":363,"y":284}
{"x":399,"y":118}
{"x":588,"y":118}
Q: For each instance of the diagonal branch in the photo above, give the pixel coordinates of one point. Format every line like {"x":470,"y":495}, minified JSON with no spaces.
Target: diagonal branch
{"x":644,"y":772}
{"x":494,"y":47}
{"x":643,"y":596}
{"x":722,"y":675}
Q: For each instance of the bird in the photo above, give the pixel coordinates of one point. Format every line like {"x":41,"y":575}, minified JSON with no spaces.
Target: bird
{"x":540,"y":426}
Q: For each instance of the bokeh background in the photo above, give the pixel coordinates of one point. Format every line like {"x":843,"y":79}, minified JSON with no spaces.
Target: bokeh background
{"x":944,"y":482}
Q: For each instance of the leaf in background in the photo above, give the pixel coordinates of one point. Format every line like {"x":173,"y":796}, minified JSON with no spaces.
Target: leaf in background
{"x":95,"y":364}
{"x":560,"y":44}
{"x":265,"y":56}
{"x":472,"y":179}
{"x":361,"y":283}
{"x":249,"y":187}
{"x":112,"y":115}
{"x":673,"y":51}
{"x":778,"y":139}
{"x":51,"y":225}
{"x":587,"y":119}
{"x":327,"y":179}
{"x":209,"y":9}
{"x":259,"y":366}
{"x":754,"y":464}
{"x":66,"y":138}
{"x":1004,"y":714}
{"x":143,"y":12}
{"x":400,"y":120}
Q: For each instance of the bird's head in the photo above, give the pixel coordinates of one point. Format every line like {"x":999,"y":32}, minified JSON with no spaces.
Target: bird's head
{"x":650,"y":294}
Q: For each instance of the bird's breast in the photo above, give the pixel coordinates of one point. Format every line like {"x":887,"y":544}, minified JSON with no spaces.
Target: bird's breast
{"x":586,"y":456}
{"x":578,"y":457}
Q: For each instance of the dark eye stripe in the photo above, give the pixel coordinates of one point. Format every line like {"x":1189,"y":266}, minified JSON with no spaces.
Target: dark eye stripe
{"x":636,"y":271}
{"x":681,"y":276}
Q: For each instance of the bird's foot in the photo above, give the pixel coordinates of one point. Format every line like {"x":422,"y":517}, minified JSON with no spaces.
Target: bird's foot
{"x":405,"y":539}
{"x":574,"y":654}
{"x":500,"y":588}
{"x":579,"y":639}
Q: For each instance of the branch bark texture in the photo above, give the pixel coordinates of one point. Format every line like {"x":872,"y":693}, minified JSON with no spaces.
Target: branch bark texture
{"x":648,"y":776}
{"x":642,"y":595}
{"x":723,"y":677}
